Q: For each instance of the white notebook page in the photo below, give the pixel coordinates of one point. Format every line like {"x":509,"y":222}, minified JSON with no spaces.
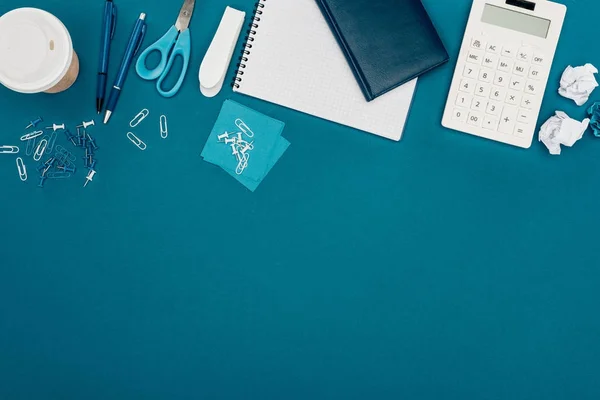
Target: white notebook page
{"x":295,"y":61}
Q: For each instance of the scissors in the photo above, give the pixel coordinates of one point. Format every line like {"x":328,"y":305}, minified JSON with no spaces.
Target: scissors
{"x":175,"y":43}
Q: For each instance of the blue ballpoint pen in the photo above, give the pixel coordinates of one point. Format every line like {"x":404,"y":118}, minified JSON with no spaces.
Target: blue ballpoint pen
{"x":108,"y":31}
{"x":137,"y":37}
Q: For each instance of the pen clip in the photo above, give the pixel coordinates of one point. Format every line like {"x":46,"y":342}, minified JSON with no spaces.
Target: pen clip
{"x":141,"y":40}
{"x":113,"y":22}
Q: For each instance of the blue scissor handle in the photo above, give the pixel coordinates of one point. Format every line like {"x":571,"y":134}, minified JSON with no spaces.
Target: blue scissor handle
{"x":163,"y":46}
{"x":182,"y":48}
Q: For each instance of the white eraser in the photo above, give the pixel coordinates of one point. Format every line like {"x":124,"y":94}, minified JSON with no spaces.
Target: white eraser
{"x":213,"y":69}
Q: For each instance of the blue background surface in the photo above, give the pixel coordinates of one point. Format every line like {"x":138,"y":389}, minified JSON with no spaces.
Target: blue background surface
{"x":441,"y":267}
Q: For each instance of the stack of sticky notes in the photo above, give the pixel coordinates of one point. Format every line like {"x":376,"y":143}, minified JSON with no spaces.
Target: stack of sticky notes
{"x":245,"y":143}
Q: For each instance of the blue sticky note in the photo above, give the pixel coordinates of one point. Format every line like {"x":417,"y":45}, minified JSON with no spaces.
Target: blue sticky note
{"x":266,"y":135}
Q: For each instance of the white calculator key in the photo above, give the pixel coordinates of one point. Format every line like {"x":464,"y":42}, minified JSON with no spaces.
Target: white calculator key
{"x":464,"y":100}
{"x":475,"y":118}
{"x":497,"y":93}
{"x":467,"y":86}
{"x":521,"y":130}
{"x":478,"y":43}
{"x":482,"y":89}
{"x":475,"y":56}
{"x":520,"y":69}
{"x":508,"y":120}
{"x":490,"y":61}
{"x":509,"y":51}
{"x":513,"y":98}
{"x":490,"y":123}
{"x":535,"y":73}
{"x":524,"y":116}
{"x":501,"y":79}
{"x":479,"y":105}
{"x":486,"y":75}
{"x":516,"y":83}
{"x":471,"y":71}
{"x":532,"y":87}
{"x":493,"y":48}
{"x":528,"y":101}
{"x":494,"y":108}
{"x":460,"y":115}
{"x":505,"y":64}
{"x":524,"y":54}
{"x":539,"y":58}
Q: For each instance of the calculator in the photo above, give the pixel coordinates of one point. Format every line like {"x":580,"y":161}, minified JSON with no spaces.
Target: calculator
{"x":503,"y":68}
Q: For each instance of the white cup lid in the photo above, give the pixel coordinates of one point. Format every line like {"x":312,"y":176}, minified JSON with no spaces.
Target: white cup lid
{"x":35,"y":50}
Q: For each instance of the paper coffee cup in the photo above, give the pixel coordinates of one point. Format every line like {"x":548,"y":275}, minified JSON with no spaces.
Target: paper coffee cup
{"x":36,"y":52}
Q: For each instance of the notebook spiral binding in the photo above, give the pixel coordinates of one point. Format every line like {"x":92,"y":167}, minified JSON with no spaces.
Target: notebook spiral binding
{"x":251,"y":32}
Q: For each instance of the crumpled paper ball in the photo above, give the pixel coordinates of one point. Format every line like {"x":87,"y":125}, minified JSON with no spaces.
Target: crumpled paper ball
{"x":578,"y":83}
{"x":594,"y":113}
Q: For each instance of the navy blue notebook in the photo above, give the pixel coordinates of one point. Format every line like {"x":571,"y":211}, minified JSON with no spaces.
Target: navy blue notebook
{"x":386,"y":42}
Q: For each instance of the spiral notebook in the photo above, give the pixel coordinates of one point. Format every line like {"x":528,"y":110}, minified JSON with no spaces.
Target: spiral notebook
{"x":291,"y":58}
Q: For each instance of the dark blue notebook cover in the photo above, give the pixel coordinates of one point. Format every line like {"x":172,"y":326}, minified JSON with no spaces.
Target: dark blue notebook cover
{"x":387,"y":42}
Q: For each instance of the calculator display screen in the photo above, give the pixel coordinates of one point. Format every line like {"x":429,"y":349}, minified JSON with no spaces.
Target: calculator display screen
{"x":517,"y":21}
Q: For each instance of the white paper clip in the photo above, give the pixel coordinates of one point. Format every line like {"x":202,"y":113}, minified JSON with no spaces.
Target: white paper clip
{"x":9,"y":149}
{"x":164,"y":129}
{"x":242,"y":163}
{"x":40,"y":149}
{"x":244,"y":128}
{"x":22,"y":169}
{"x":139,"y":118}
{"x":30,"y":147}
{"x":136,"y":140}
{"x":31,"y":135}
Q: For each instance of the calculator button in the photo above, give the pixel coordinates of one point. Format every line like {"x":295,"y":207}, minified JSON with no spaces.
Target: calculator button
{"x":463,"y":100}
{"x":493,"y":48}
{"x":535,"y":73}
{"x":475,"y":118}
{"x":467,"y":86}
{"x":490,"y":123}
{"x":494,"y":108}
{"x":509,"y":51}
{"x":532,"y":87}
{"x":482,"y":89}
{"x":524,"y":116}
{"x":539,"y":58}
{"x":513,"y":97}
{"x":475,"y":56}
{"x":521,"y":130}
{"x":497,"y":93}
{"x":505,"y":64}
{"x":486,"y":76}
{"x":478,"y":44}
{"x":460,"y":115}
{"x":516,"y":83}
{"x":520,"y":69}
{"x":501,"y":79}
{"x":471,"y":71}
{"x":478,"y":104}
{"x":508,"y":120}
{"x":524,"y":54}
{"x":528,"y":101}
{"x":490,"y":61}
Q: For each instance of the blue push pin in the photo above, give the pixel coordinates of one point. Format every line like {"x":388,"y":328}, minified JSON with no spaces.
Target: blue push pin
{"x":42,"y":180}
{"x":66,"y":168}
{"x":70,"y":137}
{"x":92,"y":142}
{"x":83,"y":138}
{"x":93,"y":164}
{"x":34,"y":122}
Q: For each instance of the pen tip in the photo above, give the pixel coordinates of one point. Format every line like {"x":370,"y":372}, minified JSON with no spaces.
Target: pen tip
{"x":107,"y":117}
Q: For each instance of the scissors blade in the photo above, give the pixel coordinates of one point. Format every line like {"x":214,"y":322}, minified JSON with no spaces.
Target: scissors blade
{"x":185,"y":15}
